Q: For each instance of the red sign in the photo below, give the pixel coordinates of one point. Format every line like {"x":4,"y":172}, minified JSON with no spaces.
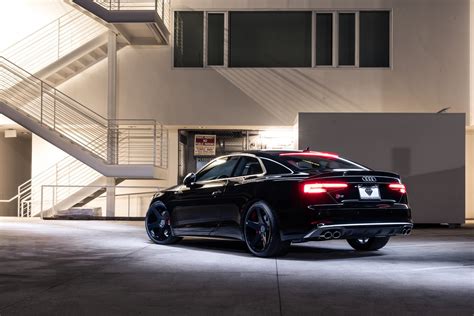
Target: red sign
{"x":204,"y":145}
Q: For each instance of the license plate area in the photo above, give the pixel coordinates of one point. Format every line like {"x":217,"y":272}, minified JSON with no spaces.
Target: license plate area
{"x":370,"y":192}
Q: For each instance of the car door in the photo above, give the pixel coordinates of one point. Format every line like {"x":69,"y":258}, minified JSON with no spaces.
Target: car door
{"x":196,"y":208}
{"x":238,"y":191}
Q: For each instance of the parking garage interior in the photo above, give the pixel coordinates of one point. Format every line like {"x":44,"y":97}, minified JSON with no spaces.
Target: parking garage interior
{"x":106,"y":105}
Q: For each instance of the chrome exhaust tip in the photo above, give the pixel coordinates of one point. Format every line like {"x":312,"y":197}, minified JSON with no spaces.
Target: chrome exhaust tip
{"x":404,"y":230}
{"x":336,"y":235}
{"x":327,"y":235}
{"x":408,"y":231}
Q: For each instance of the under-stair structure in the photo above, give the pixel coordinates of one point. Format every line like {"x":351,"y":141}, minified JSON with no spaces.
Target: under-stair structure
{"x":142,"y":22}
{"x":119,"y":149}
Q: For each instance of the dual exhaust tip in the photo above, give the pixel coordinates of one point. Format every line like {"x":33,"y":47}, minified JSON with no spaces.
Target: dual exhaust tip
{"x":406,"y":231}
{"x":331,"y":234}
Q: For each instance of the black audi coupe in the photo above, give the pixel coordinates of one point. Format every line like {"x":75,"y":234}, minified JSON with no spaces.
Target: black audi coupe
{"x":270,"y":199}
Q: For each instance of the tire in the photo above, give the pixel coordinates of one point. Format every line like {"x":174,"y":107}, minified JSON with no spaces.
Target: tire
{"x":158,"y":225}
{"x":368,"y":244}
{"x":261,"y":232}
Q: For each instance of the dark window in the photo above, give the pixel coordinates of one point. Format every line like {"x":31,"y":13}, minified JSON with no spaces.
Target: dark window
{"x":248,"y":166}
{"x":188,"y":37}
{"x":347,"y":39}
{"x":218,"y":169}
{"x":374,"y":39}
{"x":270,"y":39}
{"x":318,"y":163}
{"x":324,"y":39}
{"x":273,"y":167}
{"x":215,"y":39}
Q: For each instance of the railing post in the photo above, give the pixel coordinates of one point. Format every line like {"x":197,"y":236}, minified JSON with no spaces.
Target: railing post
{"x":18,"y":203}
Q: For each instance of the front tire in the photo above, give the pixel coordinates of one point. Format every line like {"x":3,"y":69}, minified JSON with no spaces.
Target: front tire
{"x":368,"y":244}
{"x":158,"y":225}
{"x":261,"y":232}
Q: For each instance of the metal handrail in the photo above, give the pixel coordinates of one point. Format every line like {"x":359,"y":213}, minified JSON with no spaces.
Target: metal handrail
{"x":31,"y":96}
{"x":53,"y":41}
{"x":161,"y":7}
{"x":54,"y":201}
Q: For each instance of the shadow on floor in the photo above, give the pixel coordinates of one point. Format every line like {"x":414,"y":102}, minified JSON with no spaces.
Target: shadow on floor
{"x":297,"y":252}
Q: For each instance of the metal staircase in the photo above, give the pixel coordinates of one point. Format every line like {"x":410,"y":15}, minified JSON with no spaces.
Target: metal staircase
{"x":142,"y":22}
{"x":62,"y":48}
{"x":115,"y":148}
{"x":103,"y":148}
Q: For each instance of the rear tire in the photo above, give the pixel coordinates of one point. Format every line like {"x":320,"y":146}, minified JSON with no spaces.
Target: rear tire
{"x":368,"y":244}
{"x":158,"y":225}
{"x":261,"y":232}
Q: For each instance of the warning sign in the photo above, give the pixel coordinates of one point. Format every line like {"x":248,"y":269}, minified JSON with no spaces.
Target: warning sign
{"x":204,"y":145}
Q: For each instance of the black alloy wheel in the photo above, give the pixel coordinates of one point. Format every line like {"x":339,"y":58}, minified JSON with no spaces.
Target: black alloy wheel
{"x":368,"y":244}
{"x":261,"y":232}
{"x":158,"y":225}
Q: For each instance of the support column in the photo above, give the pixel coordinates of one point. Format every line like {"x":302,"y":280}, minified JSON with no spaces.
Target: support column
{"x":112,"y":136}
{"x":110,"y":198}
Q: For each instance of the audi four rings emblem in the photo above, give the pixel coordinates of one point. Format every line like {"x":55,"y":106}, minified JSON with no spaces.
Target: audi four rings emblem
{"x":369,"y":179}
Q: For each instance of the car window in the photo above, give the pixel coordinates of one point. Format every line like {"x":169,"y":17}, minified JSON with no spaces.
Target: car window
{"x":274,"y":167}
{"x":314,"y":162}
{"x":218,"y":169}
{"x":248,"y":166}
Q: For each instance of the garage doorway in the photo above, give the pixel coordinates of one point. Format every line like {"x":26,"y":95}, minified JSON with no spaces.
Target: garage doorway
{"x":198,"y":147}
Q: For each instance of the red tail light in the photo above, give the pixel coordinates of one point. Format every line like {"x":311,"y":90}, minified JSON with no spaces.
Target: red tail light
{"x":398,"y":187}
{"x":322,"y":187}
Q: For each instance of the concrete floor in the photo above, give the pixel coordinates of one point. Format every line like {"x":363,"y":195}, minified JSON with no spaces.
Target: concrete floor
{"x":110,"y":268}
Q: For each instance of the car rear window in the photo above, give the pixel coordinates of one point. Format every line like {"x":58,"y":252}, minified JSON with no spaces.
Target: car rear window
{"x":314,"y":162}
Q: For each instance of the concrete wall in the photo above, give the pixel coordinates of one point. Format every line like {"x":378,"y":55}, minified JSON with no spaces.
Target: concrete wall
{"x":15,"y":169}
{"x":430,"y":71}
{"x":427,"y":150}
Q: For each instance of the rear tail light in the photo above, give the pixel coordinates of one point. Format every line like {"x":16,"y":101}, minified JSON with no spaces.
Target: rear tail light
{"x":322,"y":187}
{"x":398,"y":187}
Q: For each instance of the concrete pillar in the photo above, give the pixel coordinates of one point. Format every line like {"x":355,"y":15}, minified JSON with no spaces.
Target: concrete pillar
{"x":110,"y":198}
{"x":111,"y":116}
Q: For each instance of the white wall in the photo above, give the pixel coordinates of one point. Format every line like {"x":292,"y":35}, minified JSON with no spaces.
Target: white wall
{"x":430,"y":71}
{"x":45,"y":155}
{"x":20,"y":18}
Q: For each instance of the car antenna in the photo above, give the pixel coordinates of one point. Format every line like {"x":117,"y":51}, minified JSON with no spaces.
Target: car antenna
{"x":307,"y":149}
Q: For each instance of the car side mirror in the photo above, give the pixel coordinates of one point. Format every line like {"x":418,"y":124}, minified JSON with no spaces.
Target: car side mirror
{"x":189,"y":179}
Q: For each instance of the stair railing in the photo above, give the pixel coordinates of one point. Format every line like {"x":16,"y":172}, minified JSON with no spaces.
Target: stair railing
{"x":53,"y":41}
{"x":161,"y":7}
{"x":134,"y":141}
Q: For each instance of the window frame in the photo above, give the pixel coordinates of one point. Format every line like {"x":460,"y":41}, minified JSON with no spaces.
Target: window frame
{"x":205,"y":39}
{"x":237,"y":177}
{"x":335,"y":49}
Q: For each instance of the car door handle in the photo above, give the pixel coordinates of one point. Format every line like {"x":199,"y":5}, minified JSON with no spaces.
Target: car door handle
{"x":216,"y":193}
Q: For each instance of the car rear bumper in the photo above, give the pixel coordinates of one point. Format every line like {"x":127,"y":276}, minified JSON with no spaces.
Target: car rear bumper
{"x":358,"y":230}
{"x":318,"y":222}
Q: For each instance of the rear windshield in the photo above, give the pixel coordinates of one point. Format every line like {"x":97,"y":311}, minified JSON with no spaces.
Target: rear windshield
{"x":318,"y":163}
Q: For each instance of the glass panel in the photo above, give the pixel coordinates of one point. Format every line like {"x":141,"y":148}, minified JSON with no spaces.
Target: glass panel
{"x":375,"y":39}
{"x":219,"y":169}
{"x":247,"y":166}
{"x":270,"y":39}
{"x":274,"y":168}
{"x":188,"y":38}
{"x":215,"y":39}
{"x":324,"y":39}
{"x":347,"y":39}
